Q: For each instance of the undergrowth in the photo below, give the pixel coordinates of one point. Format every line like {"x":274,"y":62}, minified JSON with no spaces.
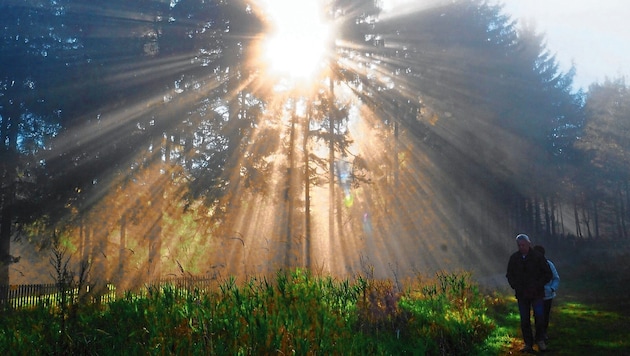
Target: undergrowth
{"x":293,"y":313}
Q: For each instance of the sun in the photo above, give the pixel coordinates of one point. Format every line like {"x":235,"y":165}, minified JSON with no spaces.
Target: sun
{"x":299,"y":40}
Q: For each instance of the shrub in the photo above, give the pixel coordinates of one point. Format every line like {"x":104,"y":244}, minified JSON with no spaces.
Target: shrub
{"x":449,"y":314}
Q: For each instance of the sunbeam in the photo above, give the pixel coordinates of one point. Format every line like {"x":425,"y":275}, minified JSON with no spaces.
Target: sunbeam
{"x":213,"y":160}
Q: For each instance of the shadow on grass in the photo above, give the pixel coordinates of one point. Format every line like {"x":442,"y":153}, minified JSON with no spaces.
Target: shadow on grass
{"x":586,"y":329}
{"x":575,"y":329}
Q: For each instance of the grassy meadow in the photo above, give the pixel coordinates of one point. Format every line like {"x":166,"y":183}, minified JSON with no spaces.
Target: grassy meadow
{"x":590,"y":315}
{"x":296,"y":312}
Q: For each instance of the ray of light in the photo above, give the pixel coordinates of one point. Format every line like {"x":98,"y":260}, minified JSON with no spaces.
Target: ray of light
{"x":413,"y":215}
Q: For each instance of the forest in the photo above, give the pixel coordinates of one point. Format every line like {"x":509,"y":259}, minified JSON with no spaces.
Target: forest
{"x":146,"y":138}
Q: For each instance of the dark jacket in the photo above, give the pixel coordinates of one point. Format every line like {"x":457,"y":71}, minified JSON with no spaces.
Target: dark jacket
{"x":528,"y":275}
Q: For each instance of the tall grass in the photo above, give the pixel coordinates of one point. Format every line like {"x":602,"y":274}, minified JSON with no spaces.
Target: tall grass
{"x":294,"y":312}
{"x":449,"y":315}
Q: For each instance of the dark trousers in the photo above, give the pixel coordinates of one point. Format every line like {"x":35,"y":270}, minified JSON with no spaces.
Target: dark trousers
{"x":525,"y":307}
{"x":547,"y":310}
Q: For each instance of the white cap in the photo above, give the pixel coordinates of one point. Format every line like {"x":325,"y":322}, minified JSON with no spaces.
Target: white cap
{"x":523,"y":237}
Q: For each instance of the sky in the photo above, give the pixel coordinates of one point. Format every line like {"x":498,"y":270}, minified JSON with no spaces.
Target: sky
{"x":594,"y":35}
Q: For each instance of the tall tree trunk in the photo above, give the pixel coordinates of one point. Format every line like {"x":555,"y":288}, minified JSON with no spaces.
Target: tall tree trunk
{"x":554,"y":220}
{"x":596,"y":219}
{"x":622,"y":212}
{"x":331,"y":162}
{"x":8,"y":163}
{"x":396,"y":148}
{"x":547,"y":214}
{"x":627,"y":214}
{"x":561,"y":215}
{"x":576,"y":215}
{"x":290,"y":190}
{"x":586,"y":218}
{"x":307,"y":191}
{"x":5,"y":252}
{"x":156,"y":212}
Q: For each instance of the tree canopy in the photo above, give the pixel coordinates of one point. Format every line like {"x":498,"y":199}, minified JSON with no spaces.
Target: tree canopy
{"x":150,"y":127}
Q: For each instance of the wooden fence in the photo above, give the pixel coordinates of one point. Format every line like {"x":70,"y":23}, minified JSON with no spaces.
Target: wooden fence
{"x":28,"y":295}
{"x":19,"y":296}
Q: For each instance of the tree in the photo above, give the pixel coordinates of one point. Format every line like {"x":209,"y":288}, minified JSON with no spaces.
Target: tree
{"x":470,"y":73}
{"x":606,"y":150}
{"x":167,"y":102}
{"x":35,"y":45}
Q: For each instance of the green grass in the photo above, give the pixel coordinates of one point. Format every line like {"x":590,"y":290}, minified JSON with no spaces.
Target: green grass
{"x":293,"y":313}
{"x":299,"y":313}
{"x":575,"y":329}
{"x":590,"y":316}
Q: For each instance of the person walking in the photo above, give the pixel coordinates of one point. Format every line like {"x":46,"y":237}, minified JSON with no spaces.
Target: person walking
{"x":550,"y":289}
{"x":527,"y":273}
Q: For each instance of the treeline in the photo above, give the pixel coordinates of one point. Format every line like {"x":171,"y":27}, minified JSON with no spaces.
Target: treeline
{"x":123,"y":123}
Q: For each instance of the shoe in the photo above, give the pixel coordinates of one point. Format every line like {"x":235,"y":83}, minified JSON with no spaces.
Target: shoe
{"x":528,"y":349}
{"x":542,"y":346}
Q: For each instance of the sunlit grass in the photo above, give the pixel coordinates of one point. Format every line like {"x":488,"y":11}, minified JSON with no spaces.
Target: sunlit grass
{"x":295,"y":312}
{"x":575,"y":329}
{"x":298,"y":312}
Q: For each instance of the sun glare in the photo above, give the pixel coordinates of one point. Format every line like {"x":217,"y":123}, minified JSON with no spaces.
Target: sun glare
{"x":299,"y":40}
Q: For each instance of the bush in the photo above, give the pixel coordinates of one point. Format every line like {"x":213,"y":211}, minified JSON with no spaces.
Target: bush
{"x":450,"y":315}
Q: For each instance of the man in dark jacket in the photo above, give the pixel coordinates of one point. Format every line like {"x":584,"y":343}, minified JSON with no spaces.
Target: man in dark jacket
{"x":527,"y":273}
